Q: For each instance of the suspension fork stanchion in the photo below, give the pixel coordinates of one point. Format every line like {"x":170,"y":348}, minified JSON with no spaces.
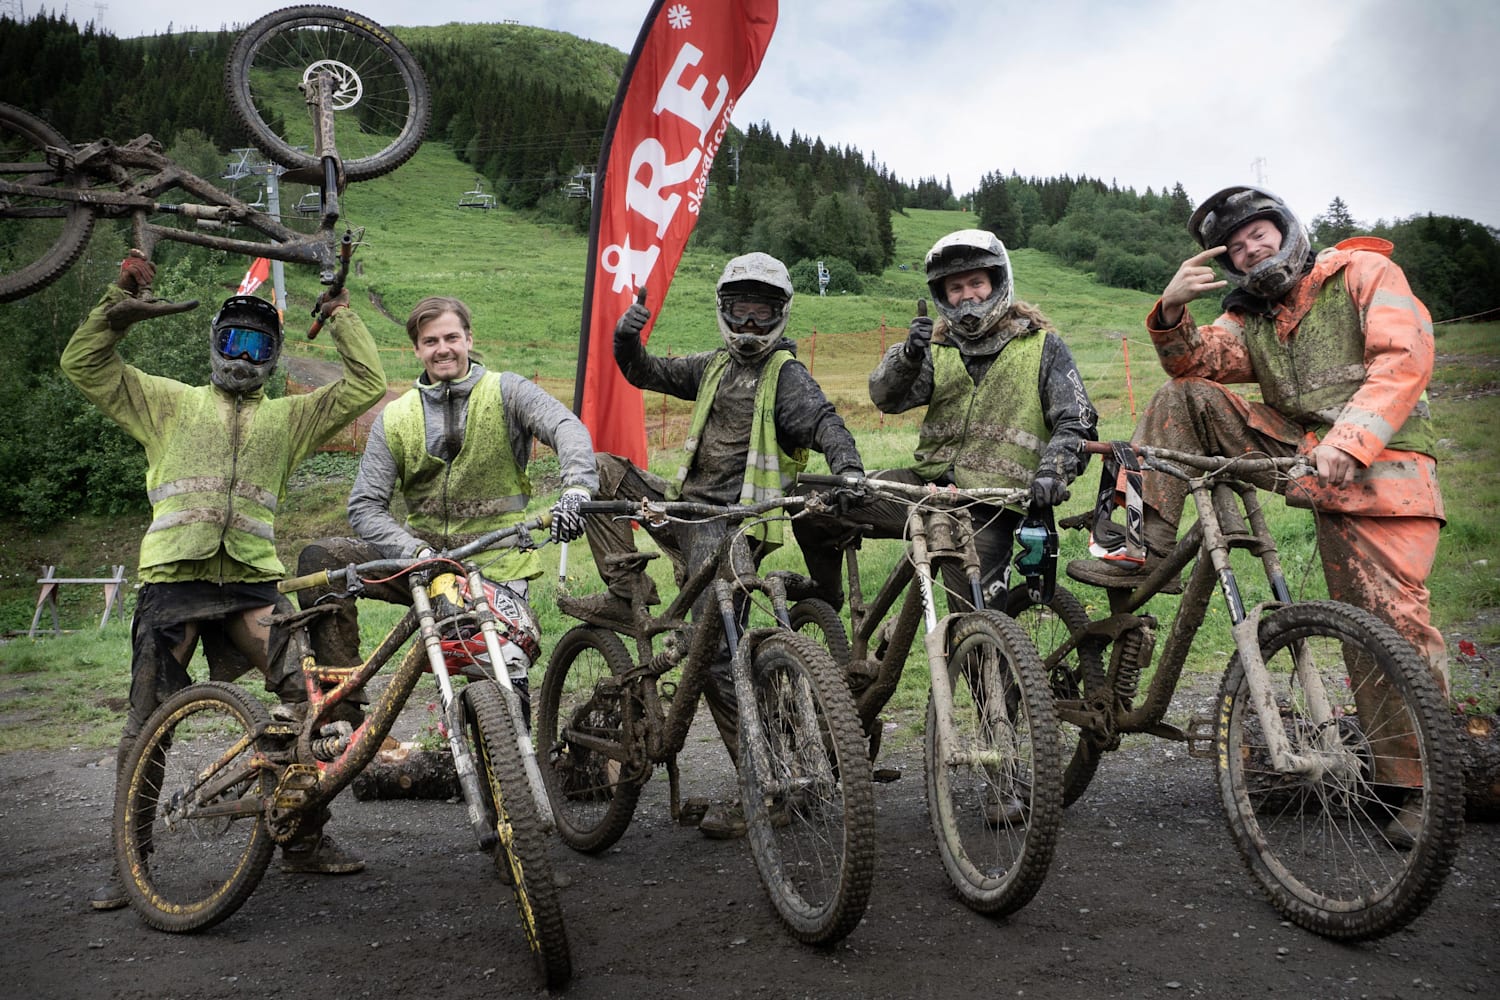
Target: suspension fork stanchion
{"x":935,"y":638}
{"x":1245,"y":624}
{"x":485,"y":615}
{"x":463,"y":762}
{"x":1319,"y":706}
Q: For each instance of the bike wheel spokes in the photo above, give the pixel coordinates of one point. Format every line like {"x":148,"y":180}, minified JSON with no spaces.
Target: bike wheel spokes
{"x":994,"y":794}
{"x":380,"y":103}
{"x":191,"y":841}
{"x":581,"y":738}
{"x":521,"y":855}
{"x":1359,"y":844}
{"x":40,"y":237}
{"x":805,"y":786}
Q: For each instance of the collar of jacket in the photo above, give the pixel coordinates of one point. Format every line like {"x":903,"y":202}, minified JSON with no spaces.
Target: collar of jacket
{"x":457,"y":387}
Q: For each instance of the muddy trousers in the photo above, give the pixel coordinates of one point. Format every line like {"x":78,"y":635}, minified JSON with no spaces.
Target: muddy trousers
{"x":685,"y":545}
{"x":1379,"y":564}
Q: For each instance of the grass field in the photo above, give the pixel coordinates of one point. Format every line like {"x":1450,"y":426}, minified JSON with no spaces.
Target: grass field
{"x":524,"y":283}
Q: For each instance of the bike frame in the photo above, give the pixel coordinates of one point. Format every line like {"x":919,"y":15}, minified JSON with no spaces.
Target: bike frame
{"x":313,"y":780}
{"x":1220,"y":478}
{"x":137,"y":196}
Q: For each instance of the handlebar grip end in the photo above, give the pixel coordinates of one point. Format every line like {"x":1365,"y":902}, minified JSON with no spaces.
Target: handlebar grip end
{"x":318,"y":579}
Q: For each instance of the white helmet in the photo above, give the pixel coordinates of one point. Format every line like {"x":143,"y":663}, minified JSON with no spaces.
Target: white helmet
{"x":244,"y":343}
{"x":1216,"y":220}
{"x":971,"y":250}
{"x":755,"y":296}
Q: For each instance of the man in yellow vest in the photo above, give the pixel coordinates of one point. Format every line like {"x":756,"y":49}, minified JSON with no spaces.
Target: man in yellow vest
{"x":752,"y":397}
{"x":1006,"y":406}
{"x":219,"y":457}
{"x":1342,"y":352}
{"x":455,"y":447}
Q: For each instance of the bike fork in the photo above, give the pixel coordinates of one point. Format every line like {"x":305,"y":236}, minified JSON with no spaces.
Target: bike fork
{"x":463,"y":761}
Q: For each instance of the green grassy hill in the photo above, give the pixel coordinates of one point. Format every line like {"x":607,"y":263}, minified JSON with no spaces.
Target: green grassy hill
{"x":524,"y":282}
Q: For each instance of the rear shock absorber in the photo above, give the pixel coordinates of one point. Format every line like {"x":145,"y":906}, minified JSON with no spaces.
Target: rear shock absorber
{"x":1132,"y":653}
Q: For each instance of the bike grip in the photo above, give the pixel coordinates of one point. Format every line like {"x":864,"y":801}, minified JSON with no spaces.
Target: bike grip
{"x":608,"y":507}
{"x":822,"y":479}
{"x":1098,"y":448}
{"x":319,"y":579}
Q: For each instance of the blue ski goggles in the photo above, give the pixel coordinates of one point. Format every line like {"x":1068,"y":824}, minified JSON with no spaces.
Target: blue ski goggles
{"x":237,"y":342}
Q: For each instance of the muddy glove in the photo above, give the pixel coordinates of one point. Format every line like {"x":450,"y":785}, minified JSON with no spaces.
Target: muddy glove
{"x":327,"y":304}
{"x":567,"y":522}
{"x":1048,"y":490}
{"x":136,"y":274}
{"x":634,"y":321}
{"x":919,"y":334}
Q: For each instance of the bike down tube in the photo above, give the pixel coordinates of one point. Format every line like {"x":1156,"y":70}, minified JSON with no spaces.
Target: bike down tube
{"x":486,"y":616}
{"x":463,"y":763}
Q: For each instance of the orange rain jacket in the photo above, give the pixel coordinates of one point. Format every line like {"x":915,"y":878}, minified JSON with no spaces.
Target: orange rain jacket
{"x":1398,"y":361}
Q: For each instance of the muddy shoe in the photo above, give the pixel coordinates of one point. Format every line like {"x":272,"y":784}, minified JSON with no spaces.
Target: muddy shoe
{"x":1406,"y":826}
{"x":723,"y":821}
{"x":605,"y":609}
{"x":111,"y":895}
{"x":1002,"y":811}
{"x":319,"y":855}
{"x":1118,"y":574}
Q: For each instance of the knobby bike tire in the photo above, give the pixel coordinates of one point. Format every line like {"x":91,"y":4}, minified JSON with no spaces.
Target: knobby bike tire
{"x":995,"y":799}
{"x":817,"y":618}
{"x":805,"y":785}
{"x":593,"y":795}
{"x":381,"y":102}
{"x":39,"y":238}
{"x":522,"y":850}
{"x":1076,"y":678}
{"x":183,"y":870}
{"x":1319,"y":846}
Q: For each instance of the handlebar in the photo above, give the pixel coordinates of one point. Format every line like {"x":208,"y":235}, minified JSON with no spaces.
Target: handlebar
{"x":1163,"y":460}
{"x":1002,"y":495}
{"x":336,"y":577}
{"x":659,"y":510}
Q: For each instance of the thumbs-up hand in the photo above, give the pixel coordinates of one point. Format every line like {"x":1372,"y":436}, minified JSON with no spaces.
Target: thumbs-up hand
{"x":919,"y":334}
{"x":634,"y":319}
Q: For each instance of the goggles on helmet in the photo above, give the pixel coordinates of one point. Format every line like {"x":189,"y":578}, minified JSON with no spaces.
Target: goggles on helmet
{"x":254,"y":346}
{"x":746,"y":310}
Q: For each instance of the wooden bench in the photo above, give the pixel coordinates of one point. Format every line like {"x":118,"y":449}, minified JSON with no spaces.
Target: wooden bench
{"x":48,"y":596}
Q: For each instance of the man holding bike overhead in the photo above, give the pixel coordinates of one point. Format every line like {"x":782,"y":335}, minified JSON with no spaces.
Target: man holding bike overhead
{"x":455,"y":447}
{"x":219,"y":457}
{"x":1342,"y":352}
{"x":1006,"y":406}
{"x":756,"y":412}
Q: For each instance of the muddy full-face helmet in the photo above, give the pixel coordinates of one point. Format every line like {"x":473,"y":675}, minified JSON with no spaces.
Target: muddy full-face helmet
{"x":245,"y":342}
{"x":1218,"y":218}
{"x":755,"y":296}
{"x":971,"y":250}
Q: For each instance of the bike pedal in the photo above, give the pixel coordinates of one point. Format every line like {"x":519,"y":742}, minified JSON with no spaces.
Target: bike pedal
{"x":1200,"y":734}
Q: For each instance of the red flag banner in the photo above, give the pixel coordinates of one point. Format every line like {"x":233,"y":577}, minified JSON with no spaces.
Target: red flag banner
{"x":256,"y":276}
{"x":692,"y":61}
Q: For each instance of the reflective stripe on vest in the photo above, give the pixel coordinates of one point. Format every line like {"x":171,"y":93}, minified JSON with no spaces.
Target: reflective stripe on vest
{"x":991,"y":434}
{"x":1315,"y":372}
{"x":193,"y":515}
{"x":768,"y":469}
{"x":480,"y":490}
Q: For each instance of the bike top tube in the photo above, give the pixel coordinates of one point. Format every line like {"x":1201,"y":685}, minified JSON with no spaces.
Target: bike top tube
{"x":336,"y":577}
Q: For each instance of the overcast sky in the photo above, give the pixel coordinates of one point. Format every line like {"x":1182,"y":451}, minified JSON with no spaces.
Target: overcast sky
{"x":1392,"y":105}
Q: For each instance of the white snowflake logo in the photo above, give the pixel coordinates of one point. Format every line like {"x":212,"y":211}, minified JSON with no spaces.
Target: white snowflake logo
{"x":679,"y":16}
